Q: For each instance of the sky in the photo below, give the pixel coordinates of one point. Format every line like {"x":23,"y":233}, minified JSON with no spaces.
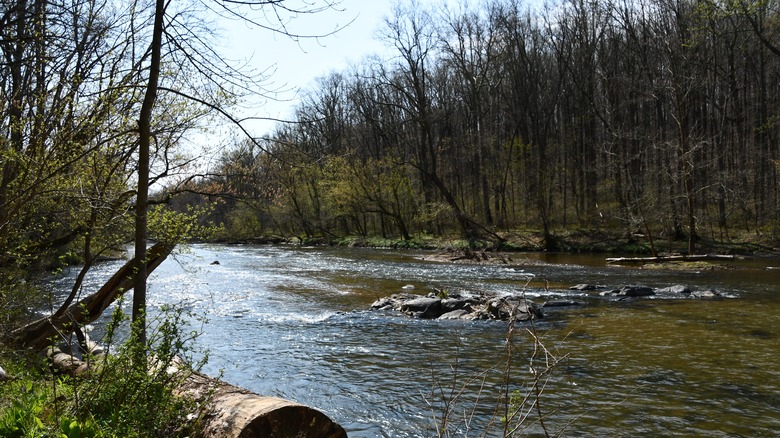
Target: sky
{"x":297,"y":65}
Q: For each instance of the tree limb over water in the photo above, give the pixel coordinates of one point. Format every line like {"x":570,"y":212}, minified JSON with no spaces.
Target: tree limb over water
{"x":38,"y":334}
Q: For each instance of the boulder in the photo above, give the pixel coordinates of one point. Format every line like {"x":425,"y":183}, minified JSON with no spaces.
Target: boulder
{"x":382,"y":304}
{"x":504,"y":308}
{"x":423,"y":307}
{"x":471,"y":307}
{"x":636,"y":291}
{"x":526,"y":310}
{"x":455,"y":314}
{"x":676,"y":289}
{"x":451,"y":304}
{"x":393,"y":301}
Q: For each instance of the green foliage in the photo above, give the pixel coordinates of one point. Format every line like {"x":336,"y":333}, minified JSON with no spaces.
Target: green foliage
{"x":71,"y":428}
{"x":167,"y":225}
{"x":242,"y":223}
{"x":130,"y":398}
{"x":433,"y":212}
{"x":23,"y":417}
{"x":118,"y":398}
{"x":17,"y":297}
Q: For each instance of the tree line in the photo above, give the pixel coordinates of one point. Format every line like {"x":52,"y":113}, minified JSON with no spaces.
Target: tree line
{"x":656,"y":117}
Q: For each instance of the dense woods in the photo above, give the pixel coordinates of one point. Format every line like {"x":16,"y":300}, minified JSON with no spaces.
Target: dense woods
{"x":656,"y":117}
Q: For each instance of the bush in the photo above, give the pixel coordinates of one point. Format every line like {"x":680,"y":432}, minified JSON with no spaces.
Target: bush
{"x":121,"y":397}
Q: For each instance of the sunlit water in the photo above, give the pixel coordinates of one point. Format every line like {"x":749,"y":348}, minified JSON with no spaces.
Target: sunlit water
{"x":293,"y":322}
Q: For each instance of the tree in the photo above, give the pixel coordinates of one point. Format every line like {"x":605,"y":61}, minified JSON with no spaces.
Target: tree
{"x":142,"y":193}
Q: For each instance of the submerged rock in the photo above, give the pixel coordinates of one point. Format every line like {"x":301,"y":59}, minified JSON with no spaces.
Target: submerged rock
{"x":709,"y":293}
{"x":561,"y":303}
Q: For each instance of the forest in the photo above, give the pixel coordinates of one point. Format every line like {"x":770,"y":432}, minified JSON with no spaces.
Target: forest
{"x":656,"y":118}
{"x":647,"y":119}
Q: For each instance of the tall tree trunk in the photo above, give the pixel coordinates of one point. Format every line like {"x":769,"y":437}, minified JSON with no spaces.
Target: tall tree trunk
{"x":142,"y":198}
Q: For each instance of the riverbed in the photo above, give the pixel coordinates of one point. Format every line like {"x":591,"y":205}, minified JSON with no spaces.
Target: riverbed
{"x":293,"y":322}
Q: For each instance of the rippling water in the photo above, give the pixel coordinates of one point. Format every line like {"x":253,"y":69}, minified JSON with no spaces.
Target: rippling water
{"x":292,"y":322}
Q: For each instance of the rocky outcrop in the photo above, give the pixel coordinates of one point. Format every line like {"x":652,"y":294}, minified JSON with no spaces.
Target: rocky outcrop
{"x":636,"y":291}
{"x":471,"y":307}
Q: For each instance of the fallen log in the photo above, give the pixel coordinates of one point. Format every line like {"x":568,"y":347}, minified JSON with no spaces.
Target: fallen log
{"x":233,"y":412}
{"x":38,"y":334}
{"x":70,"y":364}
{"x":673,"y":258}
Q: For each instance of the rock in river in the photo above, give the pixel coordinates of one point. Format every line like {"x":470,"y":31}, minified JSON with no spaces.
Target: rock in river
{"x":636,"y":291}
{"x":475,"y":307}
{"x":676,"y":289}
{"x":710,"y":293}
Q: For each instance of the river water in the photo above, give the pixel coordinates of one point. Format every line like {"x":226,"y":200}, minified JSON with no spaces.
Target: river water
{"x":293,"y":322}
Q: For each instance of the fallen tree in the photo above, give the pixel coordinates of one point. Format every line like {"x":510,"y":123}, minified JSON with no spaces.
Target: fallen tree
{"x":672,"y":258}
{"x":229,"y":412}
{"x":38,"y":334}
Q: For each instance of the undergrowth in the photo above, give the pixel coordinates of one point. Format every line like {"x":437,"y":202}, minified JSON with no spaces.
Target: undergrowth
{"x":116,"y":398}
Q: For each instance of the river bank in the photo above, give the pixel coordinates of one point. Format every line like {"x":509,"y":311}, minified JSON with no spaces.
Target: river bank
{"x":575,"y":241}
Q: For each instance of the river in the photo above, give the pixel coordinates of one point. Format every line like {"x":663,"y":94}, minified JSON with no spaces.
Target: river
{"x":293,"y":322}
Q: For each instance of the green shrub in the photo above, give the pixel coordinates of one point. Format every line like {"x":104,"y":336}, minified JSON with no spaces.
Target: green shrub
{"x":120,"y":397}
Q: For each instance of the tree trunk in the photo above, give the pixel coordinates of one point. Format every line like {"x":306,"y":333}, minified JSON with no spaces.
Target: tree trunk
{"x":142,"y":196}
{"x":38,"y":334}
{"x":231,"y":412}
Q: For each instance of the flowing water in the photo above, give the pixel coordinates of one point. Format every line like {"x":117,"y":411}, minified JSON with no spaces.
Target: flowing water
{"x":293,"y":322}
